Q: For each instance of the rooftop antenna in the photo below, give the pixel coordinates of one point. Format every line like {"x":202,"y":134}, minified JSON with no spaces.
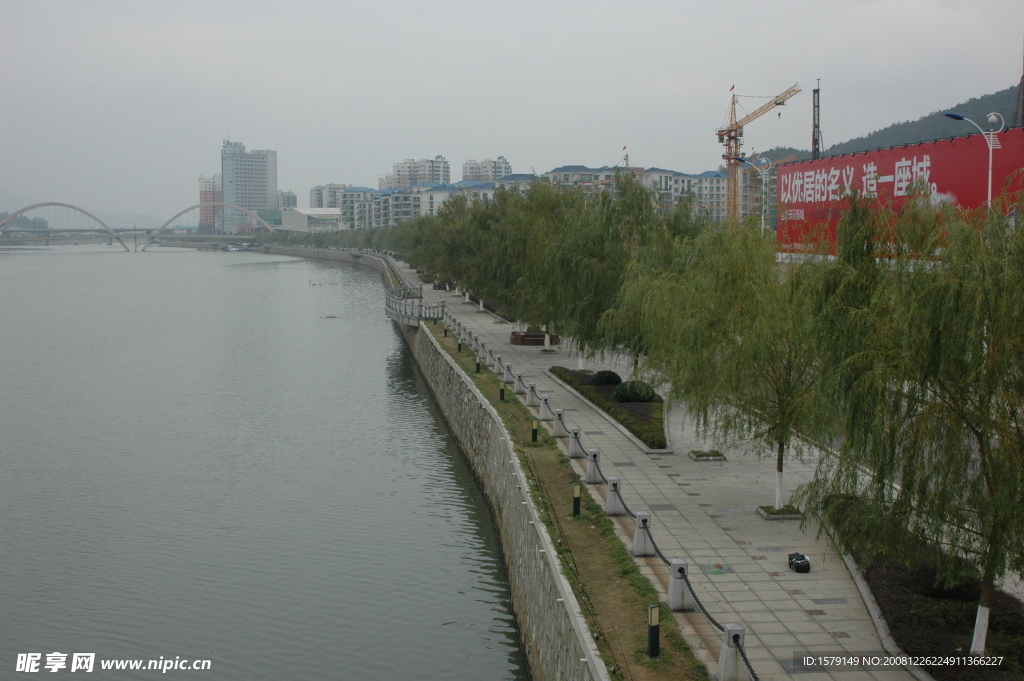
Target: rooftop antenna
{"x":816,"y":144}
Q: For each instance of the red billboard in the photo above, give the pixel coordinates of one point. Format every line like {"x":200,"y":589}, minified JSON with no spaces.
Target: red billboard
{"x":812,"y":194}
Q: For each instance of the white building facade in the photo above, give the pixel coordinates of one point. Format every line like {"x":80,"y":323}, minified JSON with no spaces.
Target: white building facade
{"x":327,"y":195}
{"x":249,"y":180}
{"x":486,"y":170}
{"x":410,"y":172}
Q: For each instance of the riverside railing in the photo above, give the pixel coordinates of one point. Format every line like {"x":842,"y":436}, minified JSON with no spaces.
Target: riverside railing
{"x":681,"y":593}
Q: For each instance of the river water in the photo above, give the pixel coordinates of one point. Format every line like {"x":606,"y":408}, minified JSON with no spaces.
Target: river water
{"x":229,"y":456}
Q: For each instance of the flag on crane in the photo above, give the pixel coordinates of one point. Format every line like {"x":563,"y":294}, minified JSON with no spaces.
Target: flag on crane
{"x":733,"y":87}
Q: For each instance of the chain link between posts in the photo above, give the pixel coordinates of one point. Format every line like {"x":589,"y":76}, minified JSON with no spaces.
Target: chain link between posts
{"x":597,"y":465}
{"x":618,"y":493}
{"x":746,"y":660}
{"x":686,"y":578}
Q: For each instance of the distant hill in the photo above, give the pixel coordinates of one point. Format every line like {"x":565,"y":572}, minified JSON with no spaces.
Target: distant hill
{"x":931,"y":127}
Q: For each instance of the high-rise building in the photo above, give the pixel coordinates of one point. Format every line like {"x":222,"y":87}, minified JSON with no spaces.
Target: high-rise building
{"x":286,"y":199}
{"x":209,"y":192}
{"x":249,"y":180}
{"x":410,"y":172}
{"x":486,"y":170}
{"x":327,"y":195}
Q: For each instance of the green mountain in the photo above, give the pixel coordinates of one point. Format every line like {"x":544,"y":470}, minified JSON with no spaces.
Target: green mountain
{"x":931,"y":127}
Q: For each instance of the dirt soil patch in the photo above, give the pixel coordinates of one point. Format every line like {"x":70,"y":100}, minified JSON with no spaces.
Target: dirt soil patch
{"x":925,"y":619}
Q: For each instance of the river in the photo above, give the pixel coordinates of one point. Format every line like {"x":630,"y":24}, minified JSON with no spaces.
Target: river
{"x":230,"y":457}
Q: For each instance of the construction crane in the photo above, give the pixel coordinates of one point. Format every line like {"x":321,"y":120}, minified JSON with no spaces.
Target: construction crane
{"x":732,"y":137}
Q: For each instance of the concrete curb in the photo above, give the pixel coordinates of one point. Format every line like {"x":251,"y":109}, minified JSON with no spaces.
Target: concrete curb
{"x":879,"y":621}
{"x":622,"y":429}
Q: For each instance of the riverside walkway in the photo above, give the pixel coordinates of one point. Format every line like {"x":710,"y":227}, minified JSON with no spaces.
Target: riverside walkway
{"x":704,"y":512}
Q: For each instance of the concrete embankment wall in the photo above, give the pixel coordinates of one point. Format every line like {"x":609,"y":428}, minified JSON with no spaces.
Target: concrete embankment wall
{"x":555,"y":636}
{"x":371,"y":261}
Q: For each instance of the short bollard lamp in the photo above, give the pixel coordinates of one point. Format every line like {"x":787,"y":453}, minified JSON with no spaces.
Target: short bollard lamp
{"x":653,"y":629}
{"x":534,"y":435}
{"x":577,"y":492}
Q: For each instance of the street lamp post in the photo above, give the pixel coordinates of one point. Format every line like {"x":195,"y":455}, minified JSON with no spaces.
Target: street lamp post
{"x":990,"y":140}
{"x":763,"y":172}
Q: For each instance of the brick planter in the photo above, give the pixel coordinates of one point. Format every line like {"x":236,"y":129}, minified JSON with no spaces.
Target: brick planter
{"x":523,"y":338}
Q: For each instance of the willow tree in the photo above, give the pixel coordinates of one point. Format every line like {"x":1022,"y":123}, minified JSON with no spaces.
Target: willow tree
{"x":733,"y":334}
{"x":925,"y":325}
{"x":588,"y":258}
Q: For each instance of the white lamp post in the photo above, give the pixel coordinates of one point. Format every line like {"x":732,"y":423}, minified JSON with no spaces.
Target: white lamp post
{"x":990,"y":140}
{"x":762,"y":171}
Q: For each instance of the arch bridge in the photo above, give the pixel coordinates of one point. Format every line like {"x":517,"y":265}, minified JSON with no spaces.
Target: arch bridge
{"x":86,"y":213}
{"x":114,"y":235}
{"x":205,"y":204}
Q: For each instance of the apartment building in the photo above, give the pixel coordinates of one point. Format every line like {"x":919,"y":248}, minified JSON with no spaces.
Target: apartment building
{"x":410,"y":172}
{"x":327,"y":195}
{"x":486,"y":170}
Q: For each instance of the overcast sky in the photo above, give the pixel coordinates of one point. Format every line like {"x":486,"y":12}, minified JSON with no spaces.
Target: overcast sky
{"x":121,"y":106}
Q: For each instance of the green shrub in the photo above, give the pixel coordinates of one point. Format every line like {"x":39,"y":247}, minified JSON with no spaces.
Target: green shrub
{"x":633,"y":391}
{"x":606,"y":378}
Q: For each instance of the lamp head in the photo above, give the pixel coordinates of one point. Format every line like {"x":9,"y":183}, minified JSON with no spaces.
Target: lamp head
{"x":955,"y":117}
{"x":992,"y":120}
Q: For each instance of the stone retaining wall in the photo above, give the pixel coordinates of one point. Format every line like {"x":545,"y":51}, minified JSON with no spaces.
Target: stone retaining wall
{"x":555,"y":635}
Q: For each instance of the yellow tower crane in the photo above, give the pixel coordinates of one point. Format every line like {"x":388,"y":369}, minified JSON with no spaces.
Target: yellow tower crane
{"x":732,"y":137}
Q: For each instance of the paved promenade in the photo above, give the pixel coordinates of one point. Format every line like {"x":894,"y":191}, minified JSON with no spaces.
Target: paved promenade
{"x":704,"y":512}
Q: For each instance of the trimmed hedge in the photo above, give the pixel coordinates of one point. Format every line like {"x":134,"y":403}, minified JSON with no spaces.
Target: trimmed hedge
{"x":606,"y":378}
{"x":643,"y":419}
{"x":633,"y":391}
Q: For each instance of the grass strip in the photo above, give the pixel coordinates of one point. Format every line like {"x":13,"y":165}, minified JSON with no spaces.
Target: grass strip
{"x":612,"y":592}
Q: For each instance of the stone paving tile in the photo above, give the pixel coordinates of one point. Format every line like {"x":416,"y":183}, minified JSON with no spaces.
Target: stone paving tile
{"x":724,"y":530}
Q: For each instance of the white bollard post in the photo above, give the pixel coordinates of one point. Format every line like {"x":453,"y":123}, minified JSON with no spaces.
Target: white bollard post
{"x":481,"y":304}
{"x":559,"y":429}
{"x":531,"y":398}
{"x":593,"y":477}
{"x":467,"y":296}
{"x":545,"y":410}
{"x":729,"y":663}
{"x":679,"y":596}
{"x":499,"y":368}
{"x":576,"y":450}
{"x":476,"y":344}
{"x":520,"y":387}
{"x":613,"y":504}
{"x":641,"y":542}
{"x":507,"y":378}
